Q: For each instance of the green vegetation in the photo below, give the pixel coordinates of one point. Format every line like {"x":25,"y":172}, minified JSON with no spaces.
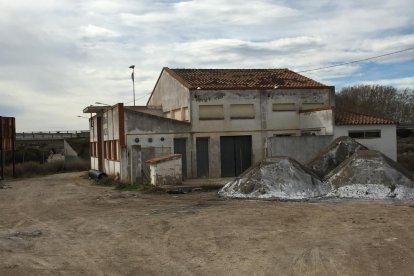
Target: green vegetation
{"x":111,"y":182}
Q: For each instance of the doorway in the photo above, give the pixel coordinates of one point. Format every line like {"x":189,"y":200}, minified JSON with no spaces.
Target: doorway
{"x":180,"y":147}
{"x":202,"y":157}
{"x":236,"y":154}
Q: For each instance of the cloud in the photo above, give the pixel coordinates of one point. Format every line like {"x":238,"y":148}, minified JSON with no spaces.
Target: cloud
{"x":401,"y":83}
{"x":91,"y":31}
{"x":59,"y":56}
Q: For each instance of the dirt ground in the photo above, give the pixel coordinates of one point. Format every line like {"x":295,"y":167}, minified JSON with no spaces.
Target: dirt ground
{"x":64,"y":225}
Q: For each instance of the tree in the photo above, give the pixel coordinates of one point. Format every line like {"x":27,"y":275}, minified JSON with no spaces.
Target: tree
{"x":378,"y":100}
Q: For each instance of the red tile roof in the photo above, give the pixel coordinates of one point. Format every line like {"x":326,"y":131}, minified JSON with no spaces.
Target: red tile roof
{"x":163,"y":158}
{"x":222,"y":79}
{"x":350,"y":118}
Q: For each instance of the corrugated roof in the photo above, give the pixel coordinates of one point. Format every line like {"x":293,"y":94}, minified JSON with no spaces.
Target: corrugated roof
{"x":350,"y":118}
{"x":222,"y":79}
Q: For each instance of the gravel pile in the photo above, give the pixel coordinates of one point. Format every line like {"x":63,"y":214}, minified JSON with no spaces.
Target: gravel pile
{"x":280,"y":177}
{"x":345,"y":169}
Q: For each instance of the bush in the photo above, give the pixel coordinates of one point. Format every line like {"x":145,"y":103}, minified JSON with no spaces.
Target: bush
{"x":407,"y":161}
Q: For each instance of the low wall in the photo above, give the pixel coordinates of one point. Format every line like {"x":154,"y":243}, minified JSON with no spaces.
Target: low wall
{"x":300,"y":148}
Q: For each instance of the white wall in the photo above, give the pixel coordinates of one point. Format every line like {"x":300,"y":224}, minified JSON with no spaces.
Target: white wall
{"x":94,"y":163}
{"x":322,"y":119}
{"x":387,"y":144}
{"x":166,"y":172}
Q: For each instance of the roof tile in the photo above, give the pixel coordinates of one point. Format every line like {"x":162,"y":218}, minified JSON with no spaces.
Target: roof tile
{"x":221,"y":79}
{"x":350,"y":118}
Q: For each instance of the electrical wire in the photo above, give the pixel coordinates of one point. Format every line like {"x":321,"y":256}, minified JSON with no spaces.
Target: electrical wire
{"x":356,"y":61}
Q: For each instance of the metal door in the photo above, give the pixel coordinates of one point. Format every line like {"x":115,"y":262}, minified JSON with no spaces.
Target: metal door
{"x":202,"y":157}
{"x":180,"y":147}
{"x":236,"y":154}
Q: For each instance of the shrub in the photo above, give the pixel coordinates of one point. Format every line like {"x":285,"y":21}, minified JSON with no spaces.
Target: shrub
{"x":407,"y":161}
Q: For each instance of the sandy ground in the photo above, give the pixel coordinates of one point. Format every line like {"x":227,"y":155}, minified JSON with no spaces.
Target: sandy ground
{"x":64,"y":225}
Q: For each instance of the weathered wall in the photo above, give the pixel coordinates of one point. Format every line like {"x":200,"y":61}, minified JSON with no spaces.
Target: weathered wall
{"x":290,"y":120}
{"x":166,"y":172}
{"x":156,"y":134}
{"x":94,"y":163}
{"x":170,"y":94}
{"x":300,"y":148}
{"x":387,"y":144}
{"x":225,"y":98}
{"x":214,"y":149}
{"x":317,"y":120}
{"x":93,"y":128}
{"x":112,"y":167}
{"x":265,"y":115}
{"x":141,"y":123}
{"x":110,"y":124}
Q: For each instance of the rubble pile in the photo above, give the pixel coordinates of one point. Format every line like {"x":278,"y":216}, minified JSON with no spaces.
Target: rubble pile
{"x":334,"y":154}
{"x":279,"y":177}
{"x":370,"y":174}
{"x":344,"y":169}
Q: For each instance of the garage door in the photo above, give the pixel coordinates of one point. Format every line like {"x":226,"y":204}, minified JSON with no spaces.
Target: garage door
{"x":236,"y":154}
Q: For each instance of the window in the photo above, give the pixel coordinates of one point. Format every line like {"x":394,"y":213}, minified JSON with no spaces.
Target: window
{"x":176,"y":114}
{"x":185,"y":114}
{"x":314,"y":105}
{"x":211,"y":112}
{"x":242,"y":111}
{"x":115,"y":148}
{"x":364,"y":134}
{"x":167,"y":114}
{"x":284,"y":107}
{"x":93,"y":149}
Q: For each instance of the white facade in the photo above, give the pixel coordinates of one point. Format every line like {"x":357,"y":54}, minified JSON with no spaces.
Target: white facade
{"x":166,"y":172}
{"x":387,"y":143}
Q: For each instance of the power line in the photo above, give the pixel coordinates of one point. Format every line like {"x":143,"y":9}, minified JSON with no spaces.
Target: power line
{"x":355,"y":61}
{"x":146,"y":94}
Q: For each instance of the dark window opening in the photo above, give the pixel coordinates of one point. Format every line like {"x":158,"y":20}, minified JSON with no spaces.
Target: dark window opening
{"x":364,"y":134}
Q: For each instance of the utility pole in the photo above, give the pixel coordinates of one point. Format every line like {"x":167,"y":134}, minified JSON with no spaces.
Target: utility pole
{"x":133,"y":80}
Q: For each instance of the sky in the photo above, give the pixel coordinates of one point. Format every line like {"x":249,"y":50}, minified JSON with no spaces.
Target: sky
{"x":59,"y":56}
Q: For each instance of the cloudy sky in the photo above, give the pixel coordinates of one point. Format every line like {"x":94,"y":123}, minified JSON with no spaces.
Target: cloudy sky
{"x":57,"y":57}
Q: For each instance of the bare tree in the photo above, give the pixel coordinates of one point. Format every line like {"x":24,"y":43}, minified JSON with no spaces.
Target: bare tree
{"x":378,"y":100}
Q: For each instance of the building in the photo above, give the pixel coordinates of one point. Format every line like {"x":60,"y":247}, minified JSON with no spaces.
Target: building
{"x":218,"y":119}
{"x":373,"y":132}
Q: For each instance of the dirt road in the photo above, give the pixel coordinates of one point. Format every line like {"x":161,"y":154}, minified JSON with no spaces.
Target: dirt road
{"x":64,"y":225}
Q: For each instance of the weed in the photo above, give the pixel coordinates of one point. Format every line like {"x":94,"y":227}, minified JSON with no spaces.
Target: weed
{"x":31,"y":168}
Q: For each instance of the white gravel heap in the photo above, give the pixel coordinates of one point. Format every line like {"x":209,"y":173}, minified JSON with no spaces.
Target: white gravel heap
{"x":279,"y":177}
{"x":334,"y":154}
{"x":370,"y":174}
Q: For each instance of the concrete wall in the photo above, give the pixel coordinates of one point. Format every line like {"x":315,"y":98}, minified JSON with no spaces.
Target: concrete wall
{"x":214,"y":149}
{"x":93,"y":128}
{"x":112,"y":167}
{"x":94,"y":163}
{"x":265,"y":117}
{"x":170,"y":94}
{"x":141,"y":123}
{"x":387,"y":144}
{"x":69,"y":152}
{"x":318,"y":122}
{"x":166,"y":172}
{"x":155,"y":135}
{"x":110,"y":124}
{"x":290,"y":120}
{"x":300,"y":148}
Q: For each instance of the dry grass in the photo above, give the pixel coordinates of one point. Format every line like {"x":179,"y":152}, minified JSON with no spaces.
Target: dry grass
{"x":33,"y":168}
